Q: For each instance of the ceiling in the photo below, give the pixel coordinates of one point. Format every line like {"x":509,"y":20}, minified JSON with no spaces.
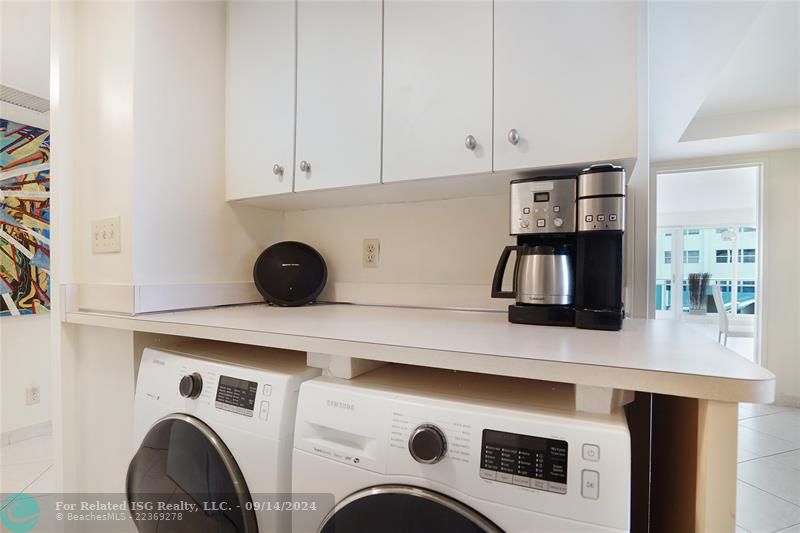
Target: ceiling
{"x":25,"y":46}
{"x":724,"y":78}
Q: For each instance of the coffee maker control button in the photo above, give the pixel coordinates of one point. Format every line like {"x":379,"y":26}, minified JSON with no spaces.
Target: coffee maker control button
{"x":526,"y":210}
{"x":588,"y":218}
{"x":601,"y":218}
{"x":612,"y":217}
{"x":540,"y":223}
{"x":557,"y":222}
{"x":523,"y":223}
{"x":556,"y":209}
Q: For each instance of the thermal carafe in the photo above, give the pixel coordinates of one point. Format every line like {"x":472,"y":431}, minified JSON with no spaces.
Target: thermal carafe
{"x":543,"y":275}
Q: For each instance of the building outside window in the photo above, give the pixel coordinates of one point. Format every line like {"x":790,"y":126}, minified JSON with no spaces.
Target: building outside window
{"x":748,"y":255}
{"x":712,"y":250}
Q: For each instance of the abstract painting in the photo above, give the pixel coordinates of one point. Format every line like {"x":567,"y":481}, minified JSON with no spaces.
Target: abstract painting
{"x":24,"y":219}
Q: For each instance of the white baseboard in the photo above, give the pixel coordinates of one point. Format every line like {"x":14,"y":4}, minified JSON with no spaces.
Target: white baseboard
{"x":787,"y":400}
{"x":41,"y":429}
{"x":151,"y":298}
{"x":136,"y":299}
{"x":102,"y":298}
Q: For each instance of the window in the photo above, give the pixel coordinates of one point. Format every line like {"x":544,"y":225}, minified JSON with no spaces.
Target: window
{"x":724,"y":256}
{"x":663,"y":295}
{"x":747,"y":255}
{"x":691,"y":232}
{"x":668,"y":257}
{"x":720,"y":231}
{"x":691,"y":256}
{"x":746,"y":297}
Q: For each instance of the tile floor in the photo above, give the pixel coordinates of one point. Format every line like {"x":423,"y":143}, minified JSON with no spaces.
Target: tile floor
{"x":26,"y":466}
{"x":768,"y":491}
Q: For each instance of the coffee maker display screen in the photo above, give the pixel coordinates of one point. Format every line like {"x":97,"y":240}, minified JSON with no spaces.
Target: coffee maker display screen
{"x":541,"y":197}
{"x":524,"y":460}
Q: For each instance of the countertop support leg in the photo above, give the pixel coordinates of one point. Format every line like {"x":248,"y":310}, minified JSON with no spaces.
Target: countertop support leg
{"x":339,"y":366}
{"x":602,"y":400}
{"x":716,"y":467}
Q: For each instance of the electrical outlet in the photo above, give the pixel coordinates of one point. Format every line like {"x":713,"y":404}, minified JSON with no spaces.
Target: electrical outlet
{"x":371,"y":253}
{"x":105,"y":236}
{"x":32,"y":395}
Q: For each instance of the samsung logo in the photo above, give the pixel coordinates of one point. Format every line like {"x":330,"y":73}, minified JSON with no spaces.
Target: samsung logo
{"x":290,"y":264}
{"x":159,"y":362}
{"x":336,"y":404}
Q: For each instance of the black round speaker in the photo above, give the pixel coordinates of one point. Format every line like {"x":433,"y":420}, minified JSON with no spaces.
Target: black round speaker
{"x":290,"y":273}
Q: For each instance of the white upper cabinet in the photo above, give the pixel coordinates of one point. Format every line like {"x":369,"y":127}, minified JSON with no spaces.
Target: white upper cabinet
{"x":437,"y":108}
{"x":338,"y":94}
{"x":564,"y":82}
{"x":260,"y":98}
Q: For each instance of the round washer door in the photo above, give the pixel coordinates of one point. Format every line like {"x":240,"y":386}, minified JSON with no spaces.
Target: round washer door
{"x":182,"y":466}
{"x":402,"y":508}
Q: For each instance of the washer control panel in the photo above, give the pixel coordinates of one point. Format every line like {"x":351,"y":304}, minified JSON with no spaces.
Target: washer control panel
{"x":524,"y":460}
{"x":236,"y":395}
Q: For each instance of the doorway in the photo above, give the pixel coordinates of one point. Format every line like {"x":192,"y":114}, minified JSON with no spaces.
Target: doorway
{"x":707,"y":241}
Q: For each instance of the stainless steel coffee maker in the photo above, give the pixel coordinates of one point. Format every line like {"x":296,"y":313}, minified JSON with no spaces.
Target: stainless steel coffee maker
{"x":543,"y":219}
{"x":569,"y":263}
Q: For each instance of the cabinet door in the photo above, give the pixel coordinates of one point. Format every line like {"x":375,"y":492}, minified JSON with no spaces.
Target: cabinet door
{"x":260,"y":98}
{"x":437,"y":88}
{"x":338,"y":93}
{"x":565,"y":80}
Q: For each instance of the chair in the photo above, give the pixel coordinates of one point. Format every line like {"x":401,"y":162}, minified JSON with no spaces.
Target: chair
{"x":724,"y":327}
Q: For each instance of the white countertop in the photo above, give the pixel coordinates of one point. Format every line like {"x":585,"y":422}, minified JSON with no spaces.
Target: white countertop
{"x":658,"y":356}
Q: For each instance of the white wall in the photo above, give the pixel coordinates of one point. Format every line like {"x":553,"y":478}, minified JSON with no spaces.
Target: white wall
{"x":184,"y":230}
{"x":103,"y":185}
{"x":103,"y":422}
{"x":24,"y":362}
{"x":24,"y":341}
{"x":432,"y":253}
{"x":781,"y":343}
{"x":780,"y":292}
{"x":143,"y":112}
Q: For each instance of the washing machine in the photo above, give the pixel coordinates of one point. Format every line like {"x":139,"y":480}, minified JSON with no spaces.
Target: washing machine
{"x":410,"y":449}
{"x":213,"y":428}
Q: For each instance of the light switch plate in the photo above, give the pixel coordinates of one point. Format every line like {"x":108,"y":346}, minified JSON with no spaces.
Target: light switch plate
{"x":105,"y":236}
{"x":32,"y":395}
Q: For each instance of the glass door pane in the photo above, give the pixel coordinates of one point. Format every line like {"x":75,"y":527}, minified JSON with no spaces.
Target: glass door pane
{"x":664,"y":272}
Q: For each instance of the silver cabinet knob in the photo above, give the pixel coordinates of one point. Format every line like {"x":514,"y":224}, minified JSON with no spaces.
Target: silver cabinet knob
{"x":513,"y":137}
{"x":305,"y":166}
{"x":470,"y":142}
{"x":277,"y":169}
